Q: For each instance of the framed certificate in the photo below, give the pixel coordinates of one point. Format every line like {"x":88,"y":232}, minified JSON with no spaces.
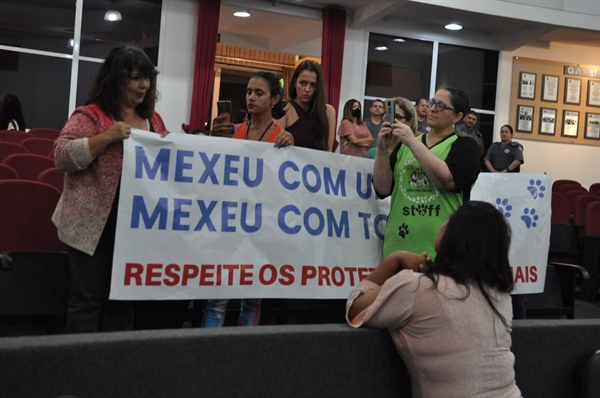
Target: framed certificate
{"x":527,"y":85}
{"x":550,"y":88}
{"x":524,"y":118}
{"x":570,"y":123}
{"x":592,"y":126}
{"x":572,"y":90}
{"x":593,"y":94}
{"x":547,"y":121}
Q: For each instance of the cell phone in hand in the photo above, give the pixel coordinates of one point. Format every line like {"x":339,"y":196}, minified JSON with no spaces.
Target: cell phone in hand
{"x":390,"y":110}
{"x":224,"y":108}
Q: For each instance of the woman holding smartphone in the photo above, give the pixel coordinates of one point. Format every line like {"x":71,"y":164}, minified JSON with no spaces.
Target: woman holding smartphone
{"x":264,"y":100}
{"x":428,"y":176}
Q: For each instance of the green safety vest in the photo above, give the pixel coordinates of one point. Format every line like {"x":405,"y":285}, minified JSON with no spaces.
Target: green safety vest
{"x":417,"y":207}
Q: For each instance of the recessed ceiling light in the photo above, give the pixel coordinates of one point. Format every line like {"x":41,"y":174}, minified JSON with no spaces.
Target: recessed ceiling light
{"x":112,"y":16}
{"x":399,"y":40}
{"x":453,"y":26}
{"x":381,"y":48}
{"x":241,"y":14}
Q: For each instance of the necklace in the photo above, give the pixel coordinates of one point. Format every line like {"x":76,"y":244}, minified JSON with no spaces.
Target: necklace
{"x":264,"y":132}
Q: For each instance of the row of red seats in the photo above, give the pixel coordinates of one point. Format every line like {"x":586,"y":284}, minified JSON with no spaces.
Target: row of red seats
{"x":31,"y":167}
{"x":18,"y":136}
{"x":38,"y":146}
{"x":575,"y":233}
{"x":26,"y":209}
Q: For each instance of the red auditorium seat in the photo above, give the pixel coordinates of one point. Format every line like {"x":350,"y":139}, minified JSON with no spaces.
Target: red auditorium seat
{"x":39,"y":146}
{"x":45,"y":133}
{"x":591,"y":252}
{"x":559,"y":183}
{"x":8,"y":173}
{"x":56,"y":178}
{"x":560,"y":210}
{"x":570,"y":187}
{"x":10,"y":148}
{"x":592,"y":219}
{"x":28,"y":165}
{"x":595,"y":188}
{"x":26,"y":209}
{"x":13,"y":136}
{"x":570,"y":198}
{"x":580,"y":205}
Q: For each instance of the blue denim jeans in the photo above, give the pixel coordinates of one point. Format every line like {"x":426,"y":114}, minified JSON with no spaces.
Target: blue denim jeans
{"x":89,"y":308}
{"x":214,"y":314}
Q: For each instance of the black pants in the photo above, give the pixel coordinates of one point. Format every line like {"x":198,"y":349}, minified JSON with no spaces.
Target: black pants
{"x":88,"y":300}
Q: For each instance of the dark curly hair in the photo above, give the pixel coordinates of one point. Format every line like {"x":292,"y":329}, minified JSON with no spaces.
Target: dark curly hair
{"x":11,"y":110}
{"x":474,"y":251}
{"x":276,"y":90}
{"x":108,"y":87}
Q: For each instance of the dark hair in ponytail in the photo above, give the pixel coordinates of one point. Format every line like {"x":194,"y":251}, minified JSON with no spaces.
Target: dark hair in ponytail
{"x":276,"y":90}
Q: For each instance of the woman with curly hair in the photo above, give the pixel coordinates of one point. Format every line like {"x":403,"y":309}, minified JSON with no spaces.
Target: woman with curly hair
{"x":90,"y":151}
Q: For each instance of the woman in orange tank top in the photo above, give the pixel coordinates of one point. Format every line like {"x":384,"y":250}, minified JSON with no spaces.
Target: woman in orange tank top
{"x":264,"y":100}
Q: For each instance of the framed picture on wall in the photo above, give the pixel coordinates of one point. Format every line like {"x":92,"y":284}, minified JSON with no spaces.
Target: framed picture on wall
{"x":525,"y":118}
{"x":550,"y":88}
{"x":547,"y":121}
{"x":592,"y":126}
{"x":572,"y":90}
{"x":570,"y":123}
{"x":593,"y":94}
{"x":527,"y":85}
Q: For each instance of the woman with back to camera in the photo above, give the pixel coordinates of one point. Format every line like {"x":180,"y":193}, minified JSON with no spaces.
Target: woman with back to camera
{"x":264,"y":100}
{"x":308,"y":118}
{"x":405,"y":113}
{"x":11,"y":115}
{"x":355,"y":137}
{"x":505,"y":156}
{"x":90,"y":150}
{"x":428,"y":176}
{"x":451,"y":320}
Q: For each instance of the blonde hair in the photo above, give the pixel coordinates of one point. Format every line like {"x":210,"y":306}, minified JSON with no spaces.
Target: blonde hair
{"x":409,"y":110}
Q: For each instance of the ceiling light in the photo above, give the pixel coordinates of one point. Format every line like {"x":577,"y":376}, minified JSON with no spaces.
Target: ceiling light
{"x":453,"y":26}
{"x":241,"y":14}
{"x":112,"y":15}
{"x":399,"y":40}
{"x":381,"y":48}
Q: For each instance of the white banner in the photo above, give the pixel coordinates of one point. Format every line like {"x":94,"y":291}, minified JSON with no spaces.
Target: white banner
{"x":206,"y":217}
{"x":525,"y":201}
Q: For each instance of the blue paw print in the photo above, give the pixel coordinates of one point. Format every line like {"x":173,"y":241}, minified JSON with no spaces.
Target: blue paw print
{"x":529,"y":218}
{"x":536,"y":188}
{"x":503,"y":207}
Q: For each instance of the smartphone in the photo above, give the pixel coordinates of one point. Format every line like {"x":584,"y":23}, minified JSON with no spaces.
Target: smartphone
{"x":390,"y":110}
{"x":224,"y":107}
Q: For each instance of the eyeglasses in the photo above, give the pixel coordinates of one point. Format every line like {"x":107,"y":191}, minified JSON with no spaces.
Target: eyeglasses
{"x":438,"y":106}
{"x":400,"y":117}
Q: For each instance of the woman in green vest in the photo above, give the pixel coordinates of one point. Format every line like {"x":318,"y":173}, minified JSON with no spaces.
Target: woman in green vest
{"x":428,"y":176}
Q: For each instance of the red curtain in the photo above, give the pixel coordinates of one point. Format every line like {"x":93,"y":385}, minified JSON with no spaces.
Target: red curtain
{"x":204,"y":67}
{"x":332,"y":53}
